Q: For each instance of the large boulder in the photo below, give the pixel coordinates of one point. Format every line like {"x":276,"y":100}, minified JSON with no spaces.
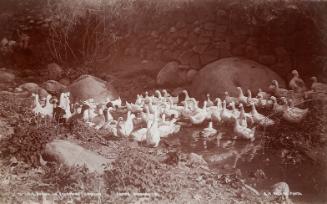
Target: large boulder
{"x":172,"y":75}
{"x":228,"y":73}
{"x":72,"y":154}
{"x":87,"y":87}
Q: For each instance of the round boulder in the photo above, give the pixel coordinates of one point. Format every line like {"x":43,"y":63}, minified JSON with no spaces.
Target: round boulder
{"x":228,"y":73}
{"x":87,"y":87}
{"x":171,"y":75}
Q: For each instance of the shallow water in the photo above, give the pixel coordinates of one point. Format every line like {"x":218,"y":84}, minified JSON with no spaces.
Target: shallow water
{"x":225,"y":155}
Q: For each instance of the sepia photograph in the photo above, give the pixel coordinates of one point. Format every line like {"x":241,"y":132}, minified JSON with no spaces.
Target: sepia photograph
{"x":163,"y":101}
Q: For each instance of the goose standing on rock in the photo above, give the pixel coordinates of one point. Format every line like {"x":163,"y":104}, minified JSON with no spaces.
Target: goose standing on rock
{"x":296,"y":83}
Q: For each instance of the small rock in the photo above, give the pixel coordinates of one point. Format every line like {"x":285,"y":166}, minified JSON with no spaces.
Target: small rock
{"x":13,"y":161}
{"x":259,"y":174}
{"x":172,"y":29}
{"x":6,"y":77}
{"x":191,"y":74}
{"x":54,"y":71}
{"x":64,"y":81}
{"x":196,"y":160}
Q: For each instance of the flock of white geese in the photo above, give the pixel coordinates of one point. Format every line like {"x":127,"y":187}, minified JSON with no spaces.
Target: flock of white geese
{"x":152,"y":117}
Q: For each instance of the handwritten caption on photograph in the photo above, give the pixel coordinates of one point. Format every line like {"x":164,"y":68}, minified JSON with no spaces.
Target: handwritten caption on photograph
{"x":143,"y":195}
{"x":60,"y":195}
{"x":283,"y":194}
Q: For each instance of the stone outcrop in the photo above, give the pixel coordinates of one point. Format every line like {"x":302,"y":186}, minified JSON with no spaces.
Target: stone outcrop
{"x":87,"y":87}
{"x":72,"y":154}
{"x":228,"y":73}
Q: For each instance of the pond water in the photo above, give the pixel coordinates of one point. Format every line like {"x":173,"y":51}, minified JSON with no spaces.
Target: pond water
{"x":226,"y":154}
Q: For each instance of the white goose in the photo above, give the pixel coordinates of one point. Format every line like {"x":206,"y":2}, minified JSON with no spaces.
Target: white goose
{"x":47,"y":110}
{"x":139,"y":100}
{"x":117,"y":102}
{"x":188,"y":100}
{"x":226,"y":115}
{"x":133,"y":107}
{"x":209,"y":101}
{"x":200,"y":115}
{"x":235,"y":112}
{"x":146,"y":116}
{"x":244,"y":117}
{"x":243,"y":132}
{"x":153,"y":133}
{"x":68,"y":112}
{"x":140,"y":134}
{"x":170,"y":110}
{"x":277,"y":108}
{"x":261,"y":119}
{"x":293,"y":114}
{"x":264,"y":103}
{"x":167,"y":128}
{"x":125,"y":128}
{"x":241,"y":98}
{"x":251,"y":100}
{"x":279,"y":92}
{"x":216,"y":111}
